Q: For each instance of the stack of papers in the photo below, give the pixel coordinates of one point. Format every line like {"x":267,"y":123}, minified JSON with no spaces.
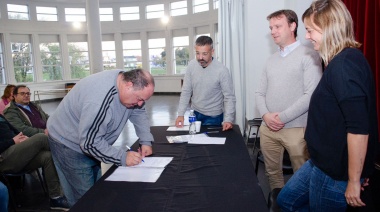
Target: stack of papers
{"x":202,"y":138}
{"x":148,"y":171}
{"x":184,"y":128}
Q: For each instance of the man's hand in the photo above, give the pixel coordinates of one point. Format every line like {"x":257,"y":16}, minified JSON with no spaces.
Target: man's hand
{"x":145,"y":150}
{"x":133,"y":158}
{"x":179,"y":121}
{"x":19,"y":138}
{"x":46,"y":132}
{"x":227,"y":126}
{"x":272,"y":120}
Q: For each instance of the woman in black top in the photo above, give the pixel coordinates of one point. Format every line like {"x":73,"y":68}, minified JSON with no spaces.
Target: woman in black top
{"x":341,"y":131}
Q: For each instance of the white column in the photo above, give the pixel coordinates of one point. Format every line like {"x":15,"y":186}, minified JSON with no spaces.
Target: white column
{"x":94,"y":36}
{"x":8,"y":60}
{"x":36,"y":56}
{"x":65,"y":57}
{"x":145,"y":50}
{"x":119,"y":50}
{"x":191,"y":31}
{"x":169,"y":52}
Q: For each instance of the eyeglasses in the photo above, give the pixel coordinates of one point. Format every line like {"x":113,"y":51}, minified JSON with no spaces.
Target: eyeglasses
{"x":25,"y":93}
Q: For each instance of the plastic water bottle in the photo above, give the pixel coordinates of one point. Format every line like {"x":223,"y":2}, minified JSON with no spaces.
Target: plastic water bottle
{"x":192,"y":119}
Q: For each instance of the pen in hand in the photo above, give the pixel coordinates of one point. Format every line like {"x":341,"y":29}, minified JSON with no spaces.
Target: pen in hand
{"x":129,"y":149}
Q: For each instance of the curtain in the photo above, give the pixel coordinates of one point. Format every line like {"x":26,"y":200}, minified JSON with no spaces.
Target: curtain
{"x":366,"y":17}
{"x":231,"y":32}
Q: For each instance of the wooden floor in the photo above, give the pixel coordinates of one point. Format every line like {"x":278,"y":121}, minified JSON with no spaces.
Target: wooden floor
{"x":162,"y":111}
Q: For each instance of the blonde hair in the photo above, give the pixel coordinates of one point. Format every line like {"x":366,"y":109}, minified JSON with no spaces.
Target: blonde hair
{"x":335,"y":21}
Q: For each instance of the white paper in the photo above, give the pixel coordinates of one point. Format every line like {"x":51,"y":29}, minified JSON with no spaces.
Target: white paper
{"x":154,"y":162}
{"x":122,"y":173}
{"x":148,"y":171}
{"x":184,"y":138}
{"x":184,"y":128}
{"x":207,"y":140}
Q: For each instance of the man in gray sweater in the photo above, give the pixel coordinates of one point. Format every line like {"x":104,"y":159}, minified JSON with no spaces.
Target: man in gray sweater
{"x":89,"y":120}
{"x":209,"y":85}
{"x":287,"y":83}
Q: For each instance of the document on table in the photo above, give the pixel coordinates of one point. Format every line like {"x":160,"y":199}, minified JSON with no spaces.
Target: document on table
{"x":148,"y":171}
{"x":184,"y":128}
{"x":184,"y":138}
{"x":207,"y":140}
{"x":202,"y":138}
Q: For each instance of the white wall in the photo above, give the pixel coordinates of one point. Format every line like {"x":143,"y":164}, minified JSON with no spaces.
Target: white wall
{"x":259,"y":43}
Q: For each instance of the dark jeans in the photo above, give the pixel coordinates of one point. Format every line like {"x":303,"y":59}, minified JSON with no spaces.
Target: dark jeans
{"x":31,"y":154}
{"x":3,"y":197}
{"x":77,"y":172}
{"x":310,"y":189}
{"x":209,"y":120}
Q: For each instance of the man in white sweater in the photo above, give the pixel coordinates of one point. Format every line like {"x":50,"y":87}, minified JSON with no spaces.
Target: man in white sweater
{"x":287,"y":83}
{"x":209,"y":85}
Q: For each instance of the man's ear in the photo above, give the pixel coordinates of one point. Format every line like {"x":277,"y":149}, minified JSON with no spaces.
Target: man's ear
{"x":293,"y":26}
{"x":129,"y":85}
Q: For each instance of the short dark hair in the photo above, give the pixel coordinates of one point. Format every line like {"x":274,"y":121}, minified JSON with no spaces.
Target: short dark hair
{"x":204,"y":40}
{"x":139,"y":78}
{"x":290,"y":15}
{"x":15,"y":91}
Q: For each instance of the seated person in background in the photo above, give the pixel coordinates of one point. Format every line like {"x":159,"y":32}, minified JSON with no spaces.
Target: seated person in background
{"x":25,"y":116}
{"x":7,"y":97}
{"x":209,"y":85}
{"x":19,"y":152}
{"x":3,"y":197}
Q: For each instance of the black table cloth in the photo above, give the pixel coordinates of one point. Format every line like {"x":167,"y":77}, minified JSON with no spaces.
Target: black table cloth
{"x":199,"y":178}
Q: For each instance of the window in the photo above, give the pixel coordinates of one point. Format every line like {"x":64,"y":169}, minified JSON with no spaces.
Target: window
{"x":75,"y":14}
{"x":157,"y":56}
{"x":200,"y":6}
{"x":79,"y":60}
{"x":47,"y":14}
{"x":22,"y":62}
{"x":178,"y":8}
{"x":106,"y":14}
{"x":216,"y":4}
{"x":51,"y":61}
{"x":2,"y":71}
{"x":132,"y":54}
{"x":18,"y":12}
{"x":155,"y":11}
{"x":109,"y":55}
{"x":181,"y":54}
{"x":129,"y":13}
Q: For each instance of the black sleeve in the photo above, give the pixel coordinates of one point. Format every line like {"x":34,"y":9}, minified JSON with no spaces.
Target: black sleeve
{"x":6,"y":135}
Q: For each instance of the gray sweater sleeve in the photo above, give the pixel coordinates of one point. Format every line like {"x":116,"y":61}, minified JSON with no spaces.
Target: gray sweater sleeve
{"x":229,"y":97}
{"x":140,"y":120}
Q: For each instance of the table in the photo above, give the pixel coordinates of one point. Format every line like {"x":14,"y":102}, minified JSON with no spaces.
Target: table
{"x":200,"y":178}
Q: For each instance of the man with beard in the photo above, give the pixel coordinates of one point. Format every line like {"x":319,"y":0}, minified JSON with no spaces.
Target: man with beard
{"x":90,"y":119}
{"x":209,"y":85}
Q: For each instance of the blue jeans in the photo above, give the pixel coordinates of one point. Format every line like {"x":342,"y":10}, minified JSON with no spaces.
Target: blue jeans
{"x":209,"y":120}
{"x":310,"y":189}
{"x":3,"y":198}
{"x":77,"y":172}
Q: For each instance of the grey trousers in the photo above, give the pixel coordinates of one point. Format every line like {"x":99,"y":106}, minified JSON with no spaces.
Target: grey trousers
{"x":31,"y":154}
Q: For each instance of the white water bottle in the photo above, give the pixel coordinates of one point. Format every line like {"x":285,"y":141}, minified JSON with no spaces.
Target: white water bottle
{"x":192,"y":119}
